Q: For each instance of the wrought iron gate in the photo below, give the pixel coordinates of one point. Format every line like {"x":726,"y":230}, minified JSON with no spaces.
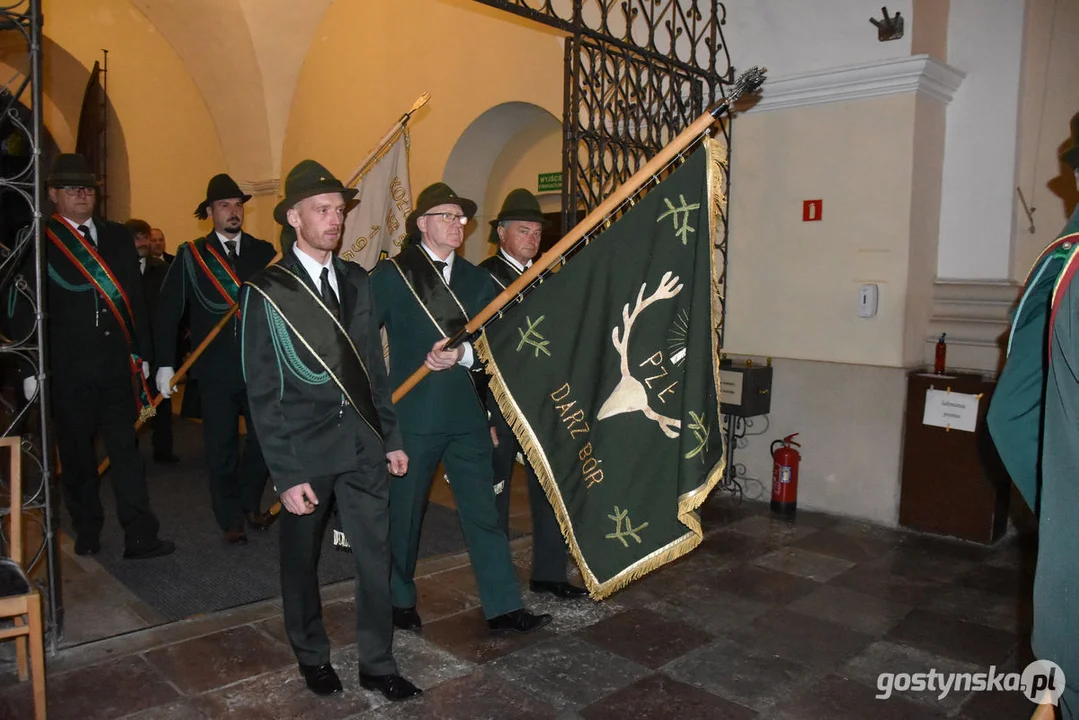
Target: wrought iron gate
{"x":22,"y":141}
{"x":637,"y":72}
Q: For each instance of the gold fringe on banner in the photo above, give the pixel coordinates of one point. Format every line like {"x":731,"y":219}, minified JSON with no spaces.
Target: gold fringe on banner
{"x":537,"y":456}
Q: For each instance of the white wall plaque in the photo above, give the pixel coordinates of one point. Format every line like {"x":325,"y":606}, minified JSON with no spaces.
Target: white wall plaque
{"x":952,"y":411}
{"x":730,"y":387}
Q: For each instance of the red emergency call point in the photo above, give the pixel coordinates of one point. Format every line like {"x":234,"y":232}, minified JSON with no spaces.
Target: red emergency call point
{"x":811,"y":210}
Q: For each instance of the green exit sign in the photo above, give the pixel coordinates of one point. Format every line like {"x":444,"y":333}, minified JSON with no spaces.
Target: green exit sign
{"x":550,"y":181}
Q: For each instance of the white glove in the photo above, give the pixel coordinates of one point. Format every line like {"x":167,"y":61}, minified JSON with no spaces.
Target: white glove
{"x":29,"y":387}
{"x":146,"y":369}
{"x":164,"y":381}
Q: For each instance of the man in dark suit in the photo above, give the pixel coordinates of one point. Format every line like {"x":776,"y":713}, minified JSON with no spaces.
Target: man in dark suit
{"x":153,"y":276}
{"x":99,"y":337}
{"x":204,"y":280}
{"x":424,"y":296}
{"x":317,"y":385}
{"x":518,"y":230}
{"x":157,"y":246}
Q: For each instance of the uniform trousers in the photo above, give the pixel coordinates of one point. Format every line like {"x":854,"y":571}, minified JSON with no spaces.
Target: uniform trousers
{"x":548,"y":546}
{"x":81,"y":408}
{"x":467,"y":460}
{"x":362,"y":497}
{"x":236,"y":483}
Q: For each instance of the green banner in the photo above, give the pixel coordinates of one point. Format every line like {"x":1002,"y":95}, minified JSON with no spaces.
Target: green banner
{"x":608,"y":374}
{"x":548,"y":182}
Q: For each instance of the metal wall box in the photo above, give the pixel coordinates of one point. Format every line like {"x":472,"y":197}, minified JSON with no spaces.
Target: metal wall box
{"x":745,"y":391}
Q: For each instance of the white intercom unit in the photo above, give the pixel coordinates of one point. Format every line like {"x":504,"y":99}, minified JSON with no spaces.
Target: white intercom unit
{"x":867,"y":300}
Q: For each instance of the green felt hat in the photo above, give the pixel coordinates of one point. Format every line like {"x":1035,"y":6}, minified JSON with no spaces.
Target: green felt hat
{"x":433,"y":196}
{"x":306,"y":180}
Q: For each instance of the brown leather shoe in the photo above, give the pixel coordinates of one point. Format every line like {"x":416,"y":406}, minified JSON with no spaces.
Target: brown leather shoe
{"x":260,"y":520}
{"x":235,"y":537}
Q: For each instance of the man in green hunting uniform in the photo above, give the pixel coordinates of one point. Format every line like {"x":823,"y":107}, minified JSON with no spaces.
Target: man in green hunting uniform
{"x":518,"y":230}
{"x":424,"y":296}
{"x":1032,"y":422}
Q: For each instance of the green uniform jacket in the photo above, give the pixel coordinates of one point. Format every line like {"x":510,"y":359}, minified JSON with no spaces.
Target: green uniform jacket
{"x":1041,"y":390}
{"x":1015,"y":415}
{"x":446,"y":401}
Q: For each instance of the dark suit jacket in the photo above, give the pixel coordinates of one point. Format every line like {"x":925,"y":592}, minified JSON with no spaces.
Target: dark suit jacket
{"x":183,"y":285}
{"x":303,"y":429}
{"x":446,"y":401}
{"x":85,"y":340}
{"x":167,"y":258}
{"x":153,"y":277}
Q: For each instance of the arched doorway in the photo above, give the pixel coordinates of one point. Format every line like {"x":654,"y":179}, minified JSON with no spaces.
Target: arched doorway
{"x":506,"y":147}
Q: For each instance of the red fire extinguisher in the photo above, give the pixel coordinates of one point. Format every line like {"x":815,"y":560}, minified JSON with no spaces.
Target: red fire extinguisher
{"x":785,"y":475}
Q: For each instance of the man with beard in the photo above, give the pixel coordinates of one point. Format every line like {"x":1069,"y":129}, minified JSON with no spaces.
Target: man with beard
{"x":153,"y":276}
{"x":424,"y":296}
{"x":100,"y":337}
{"x":204,"y":280}
{"x":518,"y":230}
{"x":322,"y":404}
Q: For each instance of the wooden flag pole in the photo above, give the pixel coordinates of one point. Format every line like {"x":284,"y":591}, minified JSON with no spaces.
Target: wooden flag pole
{"x":386,"y":139}
{"x":748,"y":82}
{"x":363,"y":167}
{"x":191,"y":358}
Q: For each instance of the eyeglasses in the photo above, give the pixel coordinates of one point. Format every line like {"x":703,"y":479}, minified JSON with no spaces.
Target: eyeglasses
{"x":78,"y":190}
{"x":448,"y":217}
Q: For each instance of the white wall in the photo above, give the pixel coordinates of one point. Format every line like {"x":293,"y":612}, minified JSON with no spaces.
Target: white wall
{"x":791,"y":37}
{"x":985,"y":40}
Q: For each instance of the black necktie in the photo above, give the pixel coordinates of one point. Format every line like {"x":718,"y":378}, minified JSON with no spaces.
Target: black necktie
{"x":230,"y":251}
{"x":85,"y":232}
{"x":441,"y":265}
{"x":328,"y":295}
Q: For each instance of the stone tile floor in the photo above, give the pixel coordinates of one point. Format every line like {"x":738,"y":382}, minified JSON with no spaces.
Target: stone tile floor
{"x":767,"y":619}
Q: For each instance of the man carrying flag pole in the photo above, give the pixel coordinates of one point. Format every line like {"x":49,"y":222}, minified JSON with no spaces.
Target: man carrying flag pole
{"x":203,"y":281}
{"x":518,"y":230}
{"x":620,"y":416}
{"x":101,"y":335}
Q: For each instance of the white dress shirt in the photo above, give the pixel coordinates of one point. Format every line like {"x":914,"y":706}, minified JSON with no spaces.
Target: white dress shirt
{"x":314,"y":270}
{"x":90,"y":224}
{"x":467,"y":357}
{"x":513,"y":261}
{"x":236,"y":246}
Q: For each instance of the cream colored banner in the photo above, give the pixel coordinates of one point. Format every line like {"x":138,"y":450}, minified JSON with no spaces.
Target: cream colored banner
{"x":376,"y":227}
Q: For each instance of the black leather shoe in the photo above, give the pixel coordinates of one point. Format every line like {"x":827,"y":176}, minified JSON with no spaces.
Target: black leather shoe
{"x":260,"y":521}
{"x":87,"y":545}
{"x":394,"y":687}
{"x":146,"y":549}
{"x":235,"y":537}
{"x":563,"y":590}
{"x":406,"y":619}
{"x":321,"y":679}
{"x":518,"y":621}
{"x":166,"y":459}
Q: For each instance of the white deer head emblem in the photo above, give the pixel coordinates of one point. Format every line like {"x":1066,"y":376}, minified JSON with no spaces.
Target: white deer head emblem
{"x":629,"y":395}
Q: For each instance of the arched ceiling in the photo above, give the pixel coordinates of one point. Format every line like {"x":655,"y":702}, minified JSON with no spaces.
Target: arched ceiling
{"x":245,"y":57}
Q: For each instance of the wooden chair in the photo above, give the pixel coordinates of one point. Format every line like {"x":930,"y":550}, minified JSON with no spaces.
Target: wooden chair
{"x":24,"y":609}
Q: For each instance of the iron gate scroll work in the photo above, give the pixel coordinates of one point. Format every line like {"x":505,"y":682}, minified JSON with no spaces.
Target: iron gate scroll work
{"x":21,"y":201}
{"x":637,"y":72}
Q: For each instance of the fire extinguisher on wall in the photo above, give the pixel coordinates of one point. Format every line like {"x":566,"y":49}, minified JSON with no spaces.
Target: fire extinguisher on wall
{"x":785,"y":461}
